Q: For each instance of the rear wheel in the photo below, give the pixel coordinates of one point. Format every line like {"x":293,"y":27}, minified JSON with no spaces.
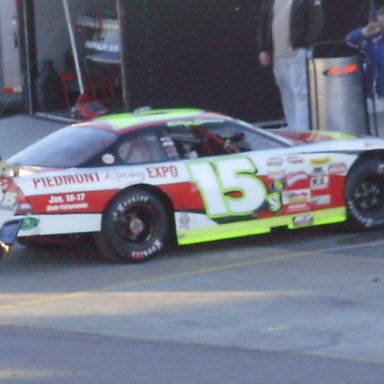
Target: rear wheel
{"x":364,"y":194}
{"x":135,"y":227}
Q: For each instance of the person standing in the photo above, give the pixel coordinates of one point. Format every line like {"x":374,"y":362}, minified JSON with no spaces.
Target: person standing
{"x":370,"y":40}
{"x":287,"y":28}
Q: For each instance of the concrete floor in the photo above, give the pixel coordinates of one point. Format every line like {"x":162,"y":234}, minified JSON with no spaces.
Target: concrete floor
{"x":290,"y":307}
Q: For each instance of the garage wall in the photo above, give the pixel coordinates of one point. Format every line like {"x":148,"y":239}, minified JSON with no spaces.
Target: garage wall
{"x":198,"y":53}
{"x":204,"y":54}
{"x":191,"y":52}
{"x":52,"y":38}
{"x":10,"y":72}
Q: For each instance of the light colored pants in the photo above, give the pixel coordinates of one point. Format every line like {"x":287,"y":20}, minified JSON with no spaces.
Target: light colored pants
{"x":291,"y":78}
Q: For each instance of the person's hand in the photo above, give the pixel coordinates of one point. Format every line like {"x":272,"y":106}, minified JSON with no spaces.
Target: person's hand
{"x":265,"y":59}
{"x":371,"y":29}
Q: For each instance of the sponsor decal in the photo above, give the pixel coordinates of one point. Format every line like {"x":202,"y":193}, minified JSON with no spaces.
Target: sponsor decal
{"x":275,"y":162}
{"x":67,"y":198}
{"x":318,"y":171}
{"x":162,"y":172}
{"x":338,"y":169}
{"x":278,"y":186}
{"x":298,"y":208}
{"x":274,"y":202}
{"x":295,"y":159}
{"x":320,"y":161}
{"x":67,"y":202}
{"x":29,"y":223}
{"x":67,"y":207}
{"x":184,"y":221}
{"x":108,"y":159}
{"x":294,"y":178}
{"x":58,"y":181}
{"x":322,"y":200}
{"x":300,"y":196}
{"x":319,"y":182}
{"x":124,"y":175}
{"x":303,"y":221}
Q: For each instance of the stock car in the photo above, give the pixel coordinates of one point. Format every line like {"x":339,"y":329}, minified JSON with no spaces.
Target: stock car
{"x":133,"y":182}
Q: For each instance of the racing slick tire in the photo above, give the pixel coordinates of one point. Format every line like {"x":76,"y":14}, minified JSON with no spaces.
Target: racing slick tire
{"x":135,"y":227}
{"x":364,"y":194}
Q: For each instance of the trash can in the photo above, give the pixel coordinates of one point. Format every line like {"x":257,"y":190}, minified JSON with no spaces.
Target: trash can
{"x":337,"y":100}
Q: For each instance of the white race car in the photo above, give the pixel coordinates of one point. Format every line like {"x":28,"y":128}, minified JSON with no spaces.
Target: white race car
{"x":134,"y":181}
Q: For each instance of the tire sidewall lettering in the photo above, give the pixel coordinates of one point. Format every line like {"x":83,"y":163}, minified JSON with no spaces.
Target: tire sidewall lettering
{"x":358,"y":173}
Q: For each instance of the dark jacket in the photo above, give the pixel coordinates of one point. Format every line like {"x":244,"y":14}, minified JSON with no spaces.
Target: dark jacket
{"x":306,"y":23}
{"x":373,"y":48}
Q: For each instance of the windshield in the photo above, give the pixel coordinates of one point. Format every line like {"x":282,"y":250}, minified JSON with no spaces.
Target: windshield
{"x":68,"y":147}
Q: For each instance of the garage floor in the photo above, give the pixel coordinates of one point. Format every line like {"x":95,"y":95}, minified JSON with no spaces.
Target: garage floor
{"x":290,"y":307}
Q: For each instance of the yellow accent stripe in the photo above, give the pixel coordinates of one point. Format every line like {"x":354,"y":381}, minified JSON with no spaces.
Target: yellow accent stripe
{"x":258,"y":227}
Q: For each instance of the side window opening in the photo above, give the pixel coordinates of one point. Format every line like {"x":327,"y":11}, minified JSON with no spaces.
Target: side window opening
{"x":141,"y":148}
{"x":193,"y":140}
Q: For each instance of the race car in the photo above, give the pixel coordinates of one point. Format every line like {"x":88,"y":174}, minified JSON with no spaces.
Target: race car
{"x":136,"y":181}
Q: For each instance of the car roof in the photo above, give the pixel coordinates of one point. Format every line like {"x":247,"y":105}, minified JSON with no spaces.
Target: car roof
{"x":125,"y":122}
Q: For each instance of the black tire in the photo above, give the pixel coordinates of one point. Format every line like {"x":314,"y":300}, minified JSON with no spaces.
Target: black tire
{"x":364,"y":194}
{"x":135,"y":227}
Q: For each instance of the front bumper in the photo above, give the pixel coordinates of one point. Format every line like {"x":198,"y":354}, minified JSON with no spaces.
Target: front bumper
{"x":10,"y":230}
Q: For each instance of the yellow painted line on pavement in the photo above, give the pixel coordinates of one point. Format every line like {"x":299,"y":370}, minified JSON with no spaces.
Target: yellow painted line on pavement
{"x":131,"y":284}
{"x":203,"y":271}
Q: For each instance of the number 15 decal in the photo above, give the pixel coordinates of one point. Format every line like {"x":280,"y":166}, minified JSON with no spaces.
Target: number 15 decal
{"x":228,"y":186}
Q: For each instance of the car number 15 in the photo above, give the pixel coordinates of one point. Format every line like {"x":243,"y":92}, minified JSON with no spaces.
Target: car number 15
{"x":229,"y":187}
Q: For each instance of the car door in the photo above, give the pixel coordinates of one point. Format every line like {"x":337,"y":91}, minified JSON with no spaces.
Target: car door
{"x":228,"y":164}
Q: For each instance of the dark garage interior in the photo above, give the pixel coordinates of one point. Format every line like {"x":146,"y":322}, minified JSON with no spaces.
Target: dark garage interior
{"x":199,"y":53}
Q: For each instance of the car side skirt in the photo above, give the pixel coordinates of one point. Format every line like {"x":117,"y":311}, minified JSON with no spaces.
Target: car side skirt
{"x":261,"y":226}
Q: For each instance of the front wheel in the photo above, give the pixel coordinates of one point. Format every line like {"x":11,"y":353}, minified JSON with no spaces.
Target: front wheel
{"x":364,"y":194}
{"x":135,"y":227}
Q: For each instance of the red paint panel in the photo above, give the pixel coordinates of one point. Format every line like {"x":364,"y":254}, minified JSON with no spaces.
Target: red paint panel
{"x":185,"y":196}
{"x":76,"y":202}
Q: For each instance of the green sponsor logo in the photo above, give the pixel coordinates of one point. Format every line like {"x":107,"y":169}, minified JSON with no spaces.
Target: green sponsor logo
{"x":29,"y":223}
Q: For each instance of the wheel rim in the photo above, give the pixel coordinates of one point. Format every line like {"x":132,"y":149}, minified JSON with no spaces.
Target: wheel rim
{"x":369,"y":194}
{"x":137,"y":224}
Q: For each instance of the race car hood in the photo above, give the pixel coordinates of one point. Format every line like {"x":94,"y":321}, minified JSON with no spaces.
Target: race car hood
{"x":300,"y":138}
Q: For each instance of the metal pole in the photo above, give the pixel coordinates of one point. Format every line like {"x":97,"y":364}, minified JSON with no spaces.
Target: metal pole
{"x":122,"y":17}
{"x":375,"y":122}
{"x":73,"y":46}
{"x":28,"y":69}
